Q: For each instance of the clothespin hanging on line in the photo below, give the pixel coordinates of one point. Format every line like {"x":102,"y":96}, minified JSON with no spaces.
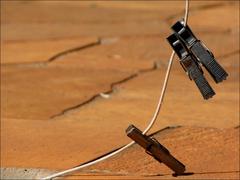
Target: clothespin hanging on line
{"x":193,"y":53}
{"x":200,"y":51}
{"x":155,"y":149}
{"x":190,"y":65}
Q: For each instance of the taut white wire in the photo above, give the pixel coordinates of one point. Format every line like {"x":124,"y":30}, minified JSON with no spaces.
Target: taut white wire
{"x":153,"y":120}
{"x":166,"y":77}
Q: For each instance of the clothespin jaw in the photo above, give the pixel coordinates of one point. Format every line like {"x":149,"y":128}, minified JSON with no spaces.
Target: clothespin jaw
{"x":185,"y":33}
{"x":191,"y":66}
{"x":179,"y":49}
{"x":200,"y":51}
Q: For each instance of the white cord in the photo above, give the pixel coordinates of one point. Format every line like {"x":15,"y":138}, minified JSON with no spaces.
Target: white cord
{"x":153,"y":120}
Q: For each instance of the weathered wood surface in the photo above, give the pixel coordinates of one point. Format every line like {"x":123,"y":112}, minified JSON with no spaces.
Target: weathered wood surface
{"x":53,"y":114}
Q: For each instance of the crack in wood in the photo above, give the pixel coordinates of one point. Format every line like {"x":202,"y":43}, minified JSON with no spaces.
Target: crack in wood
{"x":56,"y":56}
{"x":63,"y":53}
{"x":112,"y":85}
{"x":112,"y":88}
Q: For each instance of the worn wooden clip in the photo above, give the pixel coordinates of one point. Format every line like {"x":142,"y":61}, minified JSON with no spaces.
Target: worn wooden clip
{"x":155,"y":149}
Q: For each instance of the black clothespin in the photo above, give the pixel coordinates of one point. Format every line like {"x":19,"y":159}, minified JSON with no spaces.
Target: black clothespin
{"x":191,"y":66}
{"x":199,"y":50}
